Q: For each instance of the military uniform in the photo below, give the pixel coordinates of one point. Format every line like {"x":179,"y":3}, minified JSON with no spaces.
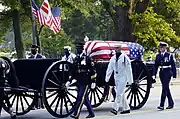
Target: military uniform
{"x":167,"y":69}
{"x":83,"y":73}
{"x":68,"y":55}
{"x":37,"y":56}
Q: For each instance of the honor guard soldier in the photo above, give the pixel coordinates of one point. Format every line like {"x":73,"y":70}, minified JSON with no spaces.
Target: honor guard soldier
{"x":85,"y":75}
{"x":165,"y":61}
{"x":120,"y":64}
{"x":68,"y":56}
{"x":35,"y":54}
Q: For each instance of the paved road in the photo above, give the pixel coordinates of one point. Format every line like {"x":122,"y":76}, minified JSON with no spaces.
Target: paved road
{"x":149,"y":110}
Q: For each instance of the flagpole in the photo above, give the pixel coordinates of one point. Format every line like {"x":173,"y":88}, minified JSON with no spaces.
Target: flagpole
{"x":33,"y":27}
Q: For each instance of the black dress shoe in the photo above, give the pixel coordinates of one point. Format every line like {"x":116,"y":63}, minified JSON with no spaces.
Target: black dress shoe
{"x":125,"y":112}
{"x":169,"y":107}
{"x":161,"y":108}
{"x":13,"y":117}
{"x":114,"y":111}
{"x":72,"y":116}
{"x":90,"y":116}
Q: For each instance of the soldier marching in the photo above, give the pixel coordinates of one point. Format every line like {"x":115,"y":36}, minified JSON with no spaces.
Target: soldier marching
{"x":165,"y":61}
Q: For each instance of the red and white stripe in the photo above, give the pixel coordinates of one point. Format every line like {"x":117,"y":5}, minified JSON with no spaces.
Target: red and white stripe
{"x":35,"y":13}
{"x":104,"y":49}
{"x":55,"y":24}
{"x":45,"y":13}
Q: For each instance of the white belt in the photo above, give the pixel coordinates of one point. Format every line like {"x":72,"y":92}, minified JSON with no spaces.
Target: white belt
{"x":163,"y":67}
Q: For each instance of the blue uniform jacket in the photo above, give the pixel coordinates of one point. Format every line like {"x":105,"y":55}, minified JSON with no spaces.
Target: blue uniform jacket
{"x":83,"y":69}
{"x":165,"y":60}
{"x":38,"y":56}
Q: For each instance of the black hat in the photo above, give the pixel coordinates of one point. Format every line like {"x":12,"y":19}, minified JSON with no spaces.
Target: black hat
{"x":163,"y":44}
{"x":34,"y":46}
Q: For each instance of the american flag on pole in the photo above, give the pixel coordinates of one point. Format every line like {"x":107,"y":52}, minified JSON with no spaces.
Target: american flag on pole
{"x":46,"y":16}
{"x":57,"y":19}
{"x":104,"y":50}
{"x":45,"y":10}
{"x":38,"y":15}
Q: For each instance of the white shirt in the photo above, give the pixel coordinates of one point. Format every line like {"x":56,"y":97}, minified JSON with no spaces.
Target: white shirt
{"x":121,"y":68}
{"x":70,"y":58}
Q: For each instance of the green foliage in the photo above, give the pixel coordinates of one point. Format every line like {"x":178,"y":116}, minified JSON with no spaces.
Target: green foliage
{"x":170,"y":10}
{"x":53,"y":44}
{"x":149,"y":54}
{"x":150,"y":28}
{"x":160,"y":22}
{"x":96,"y":27}
{"x":4,"y":49}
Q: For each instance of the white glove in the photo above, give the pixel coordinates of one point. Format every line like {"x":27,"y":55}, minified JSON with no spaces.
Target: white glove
{"x":93,"y":85}
{"x":73,"y":81}
{"x":67,"y":84}
{"x":153,"y":77}
{"x":174,"y":78}
{"x":106,"y":80}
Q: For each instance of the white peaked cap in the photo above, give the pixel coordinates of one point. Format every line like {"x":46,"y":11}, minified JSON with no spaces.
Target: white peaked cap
{"x":86,"y":38}
{"x":67,"y":47}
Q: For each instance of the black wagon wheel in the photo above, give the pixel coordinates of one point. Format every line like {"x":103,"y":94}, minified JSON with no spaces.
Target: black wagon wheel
{"x":138,"y":92}
{"x":58,"y":99}
{"x":20,"y":101}
{"x":97,"y":95}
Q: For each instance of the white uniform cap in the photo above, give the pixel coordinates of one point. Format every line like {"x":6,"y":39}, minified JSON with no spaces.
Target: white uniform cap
{"x":67,"y":47}
{"x":117,"y":46}
{"x":163,"y":44}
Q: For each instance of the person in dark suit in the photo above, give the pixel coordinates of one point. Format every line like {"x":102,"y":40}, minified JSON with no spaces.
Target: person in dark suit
{"x":165,"y":61}
{"x":35,"y":54}
{"x":85,"y":75}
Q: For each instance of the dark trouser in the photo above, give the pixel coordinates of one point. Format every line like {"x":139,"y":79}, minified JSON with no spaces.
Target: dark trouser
{"x":82,"y":99}
{"x":38,"y":101}
{"x":165,"y":77}
{"x":113,"y":93}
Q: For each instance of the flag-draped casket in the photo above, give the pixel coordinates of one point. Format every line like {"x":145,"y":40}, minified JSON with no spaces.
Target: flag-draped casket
{"x":104,"y":50}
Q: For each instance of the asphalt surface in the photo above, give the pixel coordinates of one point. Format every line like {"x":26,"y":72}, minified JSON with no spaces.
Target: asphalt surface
{"x":148,"y":111}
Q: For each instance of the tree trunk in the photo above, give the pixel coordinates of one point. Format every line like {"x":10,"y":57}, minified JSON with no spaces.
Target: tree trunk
{"x":123,"y":27}
{"x":17,"y":32}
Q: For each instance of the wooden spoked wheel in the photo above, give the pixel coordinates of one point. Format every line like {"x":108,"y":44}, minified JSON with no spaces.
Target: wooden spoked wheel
{"x":97,"y":95}
{"x":58,"y":99}
{"x":138,"y":92}
{"x":20,"y":101}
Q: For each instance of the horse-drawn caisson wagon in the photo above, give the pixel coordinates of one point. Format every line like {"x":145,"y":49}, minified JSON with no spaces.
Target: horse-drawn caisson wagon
{"x":46,"y":78}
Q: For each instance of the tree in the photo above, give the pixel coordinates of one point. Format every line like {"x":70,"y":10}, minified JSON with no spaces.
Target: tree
{"x":143,"y":21}
{"x":97,"y":27}
{"x":14,"y":13}
{"x":151,"y":28}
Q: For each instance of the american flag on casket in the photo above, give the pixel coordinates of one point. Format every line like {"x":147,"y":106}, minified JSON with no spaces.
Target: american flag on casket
{"x":104,"y":50}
